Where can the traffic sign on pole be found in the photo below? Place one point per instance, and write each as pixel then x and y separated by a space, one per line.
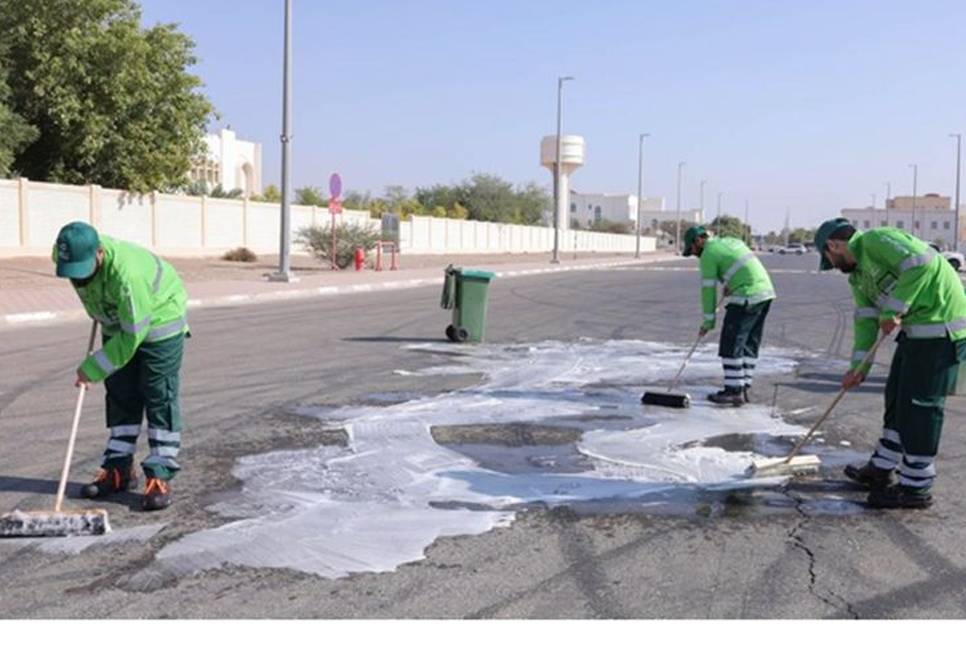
pixel 335 187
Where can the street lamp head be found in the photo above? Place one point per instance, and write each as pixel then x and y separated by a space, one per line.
pixel 565 78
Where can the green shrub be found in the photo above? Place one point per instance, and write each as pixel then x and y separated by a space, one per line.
pixel 240 254
pixel 318 241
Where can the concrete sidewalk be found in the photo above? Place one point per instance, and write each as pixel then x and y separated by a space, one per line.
pixel 31 295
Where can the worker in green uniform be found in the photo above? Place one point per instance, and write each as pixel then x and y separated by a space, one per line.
pixel 141 304
pixel 899 282
pixel 748 287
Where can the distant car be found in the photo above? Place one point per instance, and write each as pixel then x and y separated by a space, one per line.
pixel 955 259
pixel 793 248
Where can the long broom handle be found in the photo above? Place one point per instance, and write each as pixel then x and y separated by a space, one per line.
pixel 684 364
pixel 62 486
pixel 841 394
pixel 687 358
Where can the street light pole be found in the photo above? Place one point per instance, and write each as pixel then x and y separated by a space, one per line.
pixel 556 174
pixel 915 193
pixel 747 224
pixel 640 182
pixel 284 268
pixel 959 141
pixel 888 200
pixel 703 182
pixel 720 193
pixel 677 238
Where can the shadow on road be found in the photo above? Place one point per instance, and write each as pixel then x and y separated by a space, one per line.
pixel 396 340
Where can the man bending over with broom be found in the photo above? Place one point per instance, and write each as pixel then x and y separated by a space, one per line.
pixel 140 303
pixel 748 287
pixel 899 281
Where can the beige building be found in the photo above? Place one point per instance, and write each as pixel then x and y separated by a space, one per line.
pixel 934 220
pixel 231 163
pixel 928 202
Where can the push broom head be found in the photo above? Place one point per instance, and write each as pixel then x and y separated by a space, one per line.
pixel 54 523
pixel 800 465
pixel 666 399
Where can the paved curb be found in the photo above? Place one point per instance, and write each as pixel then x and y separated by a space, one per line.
pixel 56 317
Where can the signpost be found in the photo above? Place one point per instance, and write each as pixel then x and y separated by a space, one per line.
pixel 335 207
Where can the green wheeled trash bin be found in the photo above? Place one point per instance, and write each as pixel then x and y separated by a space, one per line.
pixel 466 293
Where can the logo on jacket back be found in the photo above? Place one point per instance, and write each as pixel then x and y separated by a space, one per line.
pixel 62 252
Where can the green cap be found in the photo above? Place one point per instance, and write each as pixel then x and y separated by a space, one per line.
pixel 76 250
pixel 821 236
pixel 690 236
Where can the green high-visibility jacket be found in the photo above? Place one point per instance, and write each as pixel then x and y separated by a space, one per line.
pixel 896 274
pixel 729 261
pixel 137 297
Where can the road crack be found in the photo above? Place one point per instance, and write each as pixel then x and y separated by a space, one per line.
pixel 831 599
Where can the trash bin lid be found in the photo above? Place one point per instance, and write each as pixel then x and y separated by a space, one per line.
pixel 477 274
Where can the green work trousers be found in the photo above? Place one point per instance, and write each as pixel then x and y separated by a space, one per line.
pixel 741 335
pixel 146 387
pixel 922 374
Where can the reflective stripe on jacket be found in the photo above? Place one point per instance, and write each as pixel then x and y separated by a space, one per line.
pixel 729 261
pixel 897 274
pixel 137 297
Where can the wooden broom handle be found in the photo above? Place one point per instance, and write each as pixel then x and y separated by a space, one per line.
pixel 62 486
pixel 674 383
pixel 838 397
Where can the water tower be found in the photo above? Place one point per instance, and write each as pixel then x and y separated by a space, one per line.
pixel 572 154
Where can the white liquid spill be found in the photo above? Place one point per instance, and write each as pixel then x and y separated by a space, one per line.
pixel 382 500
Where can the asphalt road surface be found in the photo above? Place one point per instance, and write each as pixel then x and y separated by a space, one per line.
pixel 744 555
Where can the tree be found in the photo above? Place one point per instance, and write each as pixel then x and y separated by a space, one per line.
pixel 459 212
pixel 356 200
pixel 801 235
pixel 532 203
pixel 15 133
pixel 725 225
pixel 112 103
pixel 271 194
pixel 201 188
pixel 310 196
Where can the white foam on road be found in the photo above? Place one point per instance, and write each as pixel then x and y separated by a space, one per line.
pixel 382 500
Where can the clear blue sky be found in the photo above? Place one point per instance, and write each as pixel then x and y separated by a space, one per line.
pixel 807 104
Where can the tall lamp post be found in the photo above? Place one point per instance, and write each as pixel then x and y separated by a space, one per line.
pixel 959 141
pixel 915 193
pixel 747 223
pixel 703 182
pixel 285 243
pixel 640 197
pixel 888 199
pixel 677 238
pixel 556 174
pixel 720 193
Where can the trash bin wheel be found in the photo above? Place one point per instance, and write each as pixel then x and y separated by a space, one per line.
pixel 461 335
pixel 451 333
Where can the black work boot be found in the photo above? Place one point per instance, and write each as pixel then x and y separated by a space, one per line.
pixel 728 396
pixel 870 476
pixel 110 481
pixel 899 497
pixel 746 393
pixel 157 494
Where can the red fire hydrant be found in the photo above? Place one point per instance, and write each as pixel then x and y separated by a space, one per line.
pixel 360 258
